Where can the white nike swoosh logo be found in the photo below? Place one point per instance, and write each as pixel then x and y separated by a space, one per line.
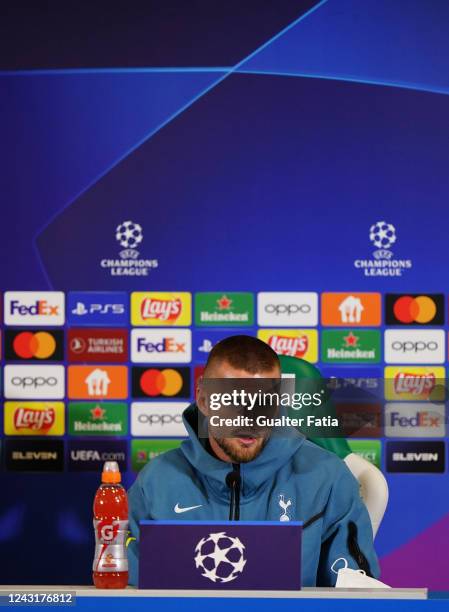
pixel 178 510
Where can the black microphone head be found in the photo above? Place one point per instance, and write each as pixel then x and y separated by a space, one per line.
pixel 233 479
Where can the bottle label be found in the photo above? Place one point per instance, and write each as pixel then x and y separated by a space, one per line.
pixel 110 546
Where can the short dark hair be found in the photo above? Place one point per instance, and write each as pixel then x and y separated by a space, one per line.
pixel 245 353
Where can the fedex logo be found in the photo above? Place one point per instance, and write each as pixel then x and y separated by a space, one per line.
pixel 98 308
pixel 421 419
pixel 411 420
pixel 34 308
pixel 41 307
pixel 161 345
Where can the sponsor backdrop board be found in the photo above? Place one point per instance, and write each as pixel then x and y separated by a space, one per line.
pixel 139 237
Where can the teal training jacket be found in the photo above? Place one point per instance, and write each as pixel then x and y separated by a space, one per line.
pixel 291 477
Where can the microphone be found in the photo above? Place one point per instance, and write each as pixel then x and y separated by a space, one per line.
pixel 233 481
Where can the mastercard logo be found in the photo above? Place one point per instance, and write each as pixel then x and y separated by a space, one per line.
pixel 161 382
pixel 39 345
pixel 415 309
pixel 166 382
pixel 421 309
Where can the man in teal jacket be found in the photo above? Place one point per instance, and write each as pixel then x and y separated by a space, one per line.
pixel 282 478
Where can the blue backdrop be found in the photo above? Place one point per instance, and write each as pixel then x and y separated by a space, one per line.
pixel 255 147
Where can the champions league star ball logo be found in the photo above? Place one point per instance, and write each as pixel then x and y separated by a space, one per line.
pixel 220 557
pixel 129 235
pixel 383 236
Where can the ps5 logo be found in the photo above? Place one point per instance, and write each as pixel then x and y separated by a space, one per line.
pixel 81 309
pixel 98 308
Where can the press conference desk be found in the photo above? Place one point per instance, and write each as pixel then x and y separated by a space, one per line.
pixel 316 599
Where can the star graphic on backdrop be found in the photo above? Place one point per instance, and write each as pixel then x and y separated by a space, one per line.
pixel 351 340
pixel 224 303
pixel 98 412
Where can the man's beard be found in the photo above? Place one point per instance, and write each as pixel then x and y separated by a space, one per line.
pixel 239 453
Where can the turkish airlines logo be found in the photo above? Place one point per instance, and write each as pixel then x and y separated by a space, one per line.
pixel 108 345
pixel 414 346
pixel 414 309
pixel 34 308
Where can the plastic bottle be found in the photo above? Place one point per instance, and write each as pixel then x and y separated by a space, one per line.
pixel 110 566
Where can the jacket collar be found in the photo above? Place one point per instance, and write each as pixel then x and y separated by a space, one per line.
pixel 255 474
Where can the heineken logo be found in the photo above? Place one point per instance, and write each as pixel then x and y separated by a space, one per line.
pixel 224 309
pixel 350 346
pixel 98 419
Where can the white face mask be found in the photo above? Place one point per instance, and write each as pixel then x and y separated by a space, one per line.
pixel 348 578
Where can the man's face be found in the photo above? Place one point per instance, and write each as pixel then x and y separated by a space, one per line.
pixel 248 445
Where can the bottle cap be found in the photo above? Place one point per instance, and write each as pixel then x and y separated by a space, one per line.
pixel 111 472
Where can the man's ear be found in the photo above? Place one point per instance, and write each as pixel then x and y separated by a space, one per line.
pixel 201 397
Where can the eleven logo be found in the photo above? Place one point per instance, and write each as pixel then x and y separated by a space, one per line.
pixel 359 309
pixel 415 383
pixel 300 343
pixel 161 345
pixel 34 308
pixel 34 418
pixel 105 382
pixel 161 309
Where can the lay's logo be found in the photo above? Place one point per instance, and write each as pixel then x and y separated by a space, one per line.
pixel 415 383
pixel 301 343
pixel 405 382
pixel 161 309
pixel 294 347
pixel 37 420
pixel 34 418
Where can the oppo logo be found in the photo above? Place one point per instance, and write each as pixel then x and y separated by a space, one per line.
pixel 34 381
pixel 159 419
pixel 288 309
pixel 414 347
